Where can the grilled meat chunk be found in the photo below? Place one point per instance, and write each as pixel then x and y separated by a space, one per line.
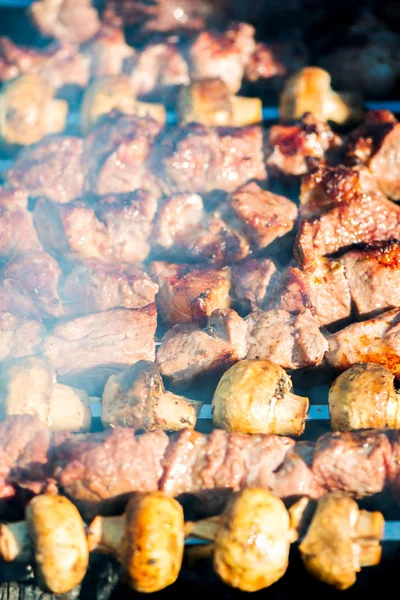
pixel 376 340
pixel 18 234
pixel 19 336
pixel 117 230
pixel 187 351
pixel 94 286
pixel 197 158
pixel 265 216
pixel 376 144
pixel 108 53
pixel 189 295
pixel 373 275
pixel 290 341
pixel 177 217
pixel 253 283
pixel 53 168
pixel 69 20
pixel 116 155
pixel 86 351
pixel 60 64
pixel 290 146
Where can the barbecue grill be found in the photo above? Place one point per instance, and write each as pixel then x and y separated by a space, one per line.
pixel 102 579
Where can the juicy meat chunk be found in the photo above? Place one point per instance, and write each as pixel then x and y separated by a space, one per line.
pixel 253 282
pixel 177 217
pixel 373 275
pixel 290 146
pixel 107 52
pixel 60 64
pixel 18 235
pixel 376 340
pixel 108 465
pixel 265 216
pixel 53 168
pixel 19 336
pixel 376 144
pixel 222 55
pixel 94 286
pixel 69 20
pixel 322 287
pixel 290 341
pixel 86 351
pixel 187 351
pixel 36 276
pixel 294 476
pixel 196 158
pixel 353 462
pixel 189 295
pixel 116 230
pixel 116 154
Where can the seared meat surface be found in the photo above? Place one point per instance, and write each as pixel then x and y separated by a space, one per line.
pixel 95 286
pixel 19 336
pixel 69 20
pixel 86 351
pixel 187 294
pixel 253 282
pixel 18 235
pixel 108 53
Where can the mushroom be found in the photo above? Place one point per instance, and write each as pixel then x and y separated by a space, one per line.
pixel 209 101
pixel 53 538
pixel 364 397
pixel 29 112
pixel 310 90
pixel 136 398
pixel 341 540
pixel 255 396
pixel 114 92
pixel 148 540
pixel 28 386
pixel 251 539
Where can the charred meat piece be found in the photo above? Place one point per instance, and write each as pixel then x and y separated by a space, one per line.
pixel 116 231
pixel 53 168
pixel 352 462
pixel 253 282
pixel 290 341
pixel 189 295
pixel 86 351
pixel 19 336
pixel 116 155
pixel 18 234
pixel 290 146
pixel 177 217
pixel 223 55
pixel 376 340
pixel 373 275
pixel 265 216
pixel 376 144
pixel 35 275
pixel 197 158
pixel 321 286
pixel 107 52
pixel 68 20
pixel 94 286
pixel 60 64
pixel 187 351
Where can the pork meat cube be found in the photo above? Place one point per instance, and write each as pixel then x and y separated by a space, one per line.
pixel 108 53
pixel 253 282
pixel 94 286
pixel 19 336
pixel 290 341
pixel 18 234
pixel 71 20
pixel 53 168
pixel 187 294
pixel 187 351
pixel 86 351
pixel 177 217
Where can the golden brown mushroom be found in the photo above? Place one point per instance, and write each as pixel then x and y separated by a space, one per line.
pixel 115 92
pixel 341 540
pixel 136 398
pixel 53 538
pixel 255 396
pixel 29 112
pixel 148 540
pixel 363 397
pixel 209 101
pixel 310 90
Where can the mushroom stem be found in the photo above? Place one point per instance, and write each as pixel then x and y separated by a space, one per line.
pixel 369 552
pixel 70 409
pixel 15 543
pixel 206 529
pixel 173 412
pixel 245 111
pixel 105 534
pixel 370 525
pixel 290 414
